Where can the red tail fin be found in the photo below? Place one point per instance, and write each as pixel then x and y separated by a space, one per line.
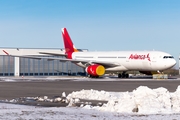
pixel 68 44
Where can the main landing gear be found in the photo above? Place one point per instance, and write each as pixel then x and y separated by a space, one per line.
pixel 123 75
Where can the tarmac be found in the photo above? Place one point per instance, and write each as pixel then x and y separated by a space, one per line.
pixel 42 87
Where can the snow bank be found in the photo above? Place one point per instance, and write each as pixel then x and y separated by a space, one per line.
pixel 141 103
pixel 93 95
pixel 142 100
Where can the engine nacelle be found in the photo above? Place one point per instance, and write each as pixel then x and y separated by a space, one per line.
pixel 95 70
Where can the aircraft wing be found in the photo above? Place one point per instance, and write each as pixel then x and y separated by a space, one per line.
pixel 104 63
pixel 54 54
pixel 57 54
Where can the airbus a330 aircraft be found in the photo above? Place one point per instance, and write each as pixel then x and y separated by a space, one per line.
pixel 97 63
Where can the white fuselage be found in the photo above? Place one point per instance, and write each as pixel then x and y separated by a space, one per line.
pixel 129 60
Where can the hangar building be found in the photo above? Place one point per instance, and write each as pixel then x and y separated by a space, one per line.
pixel 15 66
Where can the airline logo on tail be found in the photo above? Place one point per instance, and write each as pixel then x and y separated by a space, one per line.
pixel 68 44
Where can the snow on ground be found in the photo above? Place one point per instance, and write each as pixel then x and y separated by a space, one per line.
pixel 141 103
pixel 14 112
pixel 143 100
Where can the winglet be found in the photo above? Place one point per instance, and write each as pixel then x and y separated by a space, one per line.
pixel 5 52
pixel 68 44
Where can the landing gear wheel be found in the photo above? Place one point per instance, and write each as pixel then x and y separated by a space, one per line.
pixel 127 75
pixel 119 75
pixel 123 75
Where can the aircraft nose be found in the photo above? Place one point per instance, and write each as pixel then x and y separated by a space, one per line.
pixel 173 63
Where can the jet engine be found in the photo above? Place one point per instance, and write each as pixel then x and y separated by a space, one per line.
pixel 95 70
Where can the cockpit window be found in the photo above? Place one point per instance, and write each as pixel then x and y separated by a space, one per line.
pixel 165 57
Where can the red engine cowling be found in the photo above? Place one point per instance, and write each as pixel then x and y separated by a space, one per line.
pixel 95 70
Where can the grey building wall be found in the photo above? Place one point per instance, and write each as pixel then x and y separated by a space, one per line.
pixel 6 66
pixel 15 66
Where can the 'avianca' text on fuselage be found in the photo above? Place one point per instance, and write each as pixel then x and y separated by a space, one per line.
pixel 140 57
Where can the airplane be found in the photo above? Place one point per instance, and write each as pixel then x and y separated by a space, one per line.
pixel 96 64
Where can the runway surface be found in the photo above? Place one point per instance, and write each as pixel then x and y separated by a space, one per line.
pixel 19 88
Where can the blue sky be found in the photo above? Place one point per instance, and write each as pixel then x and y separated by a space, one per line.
pixel 92 24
